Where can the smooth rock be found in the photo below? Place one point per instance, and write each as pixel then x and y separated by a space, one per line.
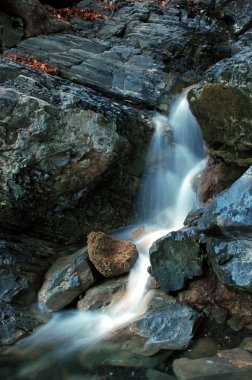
pixel 102 295
pixel 67 278
pixel 232 364
pixel 110 256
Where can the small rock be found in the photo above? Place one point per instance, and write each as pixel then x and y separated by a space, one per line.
pixel 102 295
pixel 110 256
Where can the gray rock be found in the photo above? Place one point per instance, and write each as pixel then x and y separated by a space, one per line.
pixel 12 30
pixel 15 322
pixel 23 263
pixel 231 210
pixel 175 259
pixel 232 364
pixel 231 260
pixel 102 295
pixel 170 327
pixel 66 279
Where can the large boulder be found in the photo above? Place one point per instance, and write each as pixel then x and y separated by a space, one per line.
pixel 57 141
pixel 226 223
pixel 176 258
pixel 110 256
pixel 222 104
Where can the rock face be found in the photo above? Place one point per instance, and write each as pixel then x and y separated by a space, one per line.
pixel 110 256
pixel 175 259
pixel 143 53
pixel 16 321
pixel 23 262
pixel 66 279
pixel 57 140
pixel 227 129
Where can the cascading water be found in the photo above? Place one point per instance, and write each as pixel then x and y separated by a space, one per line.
pixel 176 155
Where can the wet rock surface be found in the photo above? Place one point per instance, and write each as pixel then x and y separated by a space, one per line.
pixel 209 292
pixel 71 161
pixel 139 54
pixel 102 295
pixel 226 129
pixel 66 279
pixel 169 327
pixel 175 259
pixel 231 364
pixel 16 321
pixel 110 256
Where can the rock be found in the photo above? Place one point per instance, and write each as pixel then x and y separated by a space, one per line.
pixel 233 364
pixel 170 327
pixel 67 278
pixel 231 260
pixel 153 374
pixel 57 141
pixel 230 210
pixel 209 292
pixel 227 129
pixel 175 259
pixel 102 295
pixel 240 13
pixel 110 256
pixel 11 30
pixel 141 54
pixel 23 263
pixel 201 348
pixel 227 223
pixel 246 344
pixel 16 322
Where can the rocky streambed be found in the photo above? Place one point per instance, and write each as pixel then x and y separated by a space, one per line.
pixel 72 152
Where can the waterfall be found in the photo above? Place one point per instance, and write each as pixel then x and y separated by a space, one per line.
pixel 176 156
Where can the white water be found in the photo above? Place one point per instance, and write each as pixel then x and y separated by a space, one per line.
pixel 175 157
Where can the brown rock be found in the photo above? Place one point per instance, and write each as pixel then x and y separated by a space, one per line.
pixel 110 256
pixel 226 365
pixel 209 291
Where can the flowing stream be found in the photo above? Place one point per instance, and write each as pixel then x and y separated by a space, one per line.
pixel 176 156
